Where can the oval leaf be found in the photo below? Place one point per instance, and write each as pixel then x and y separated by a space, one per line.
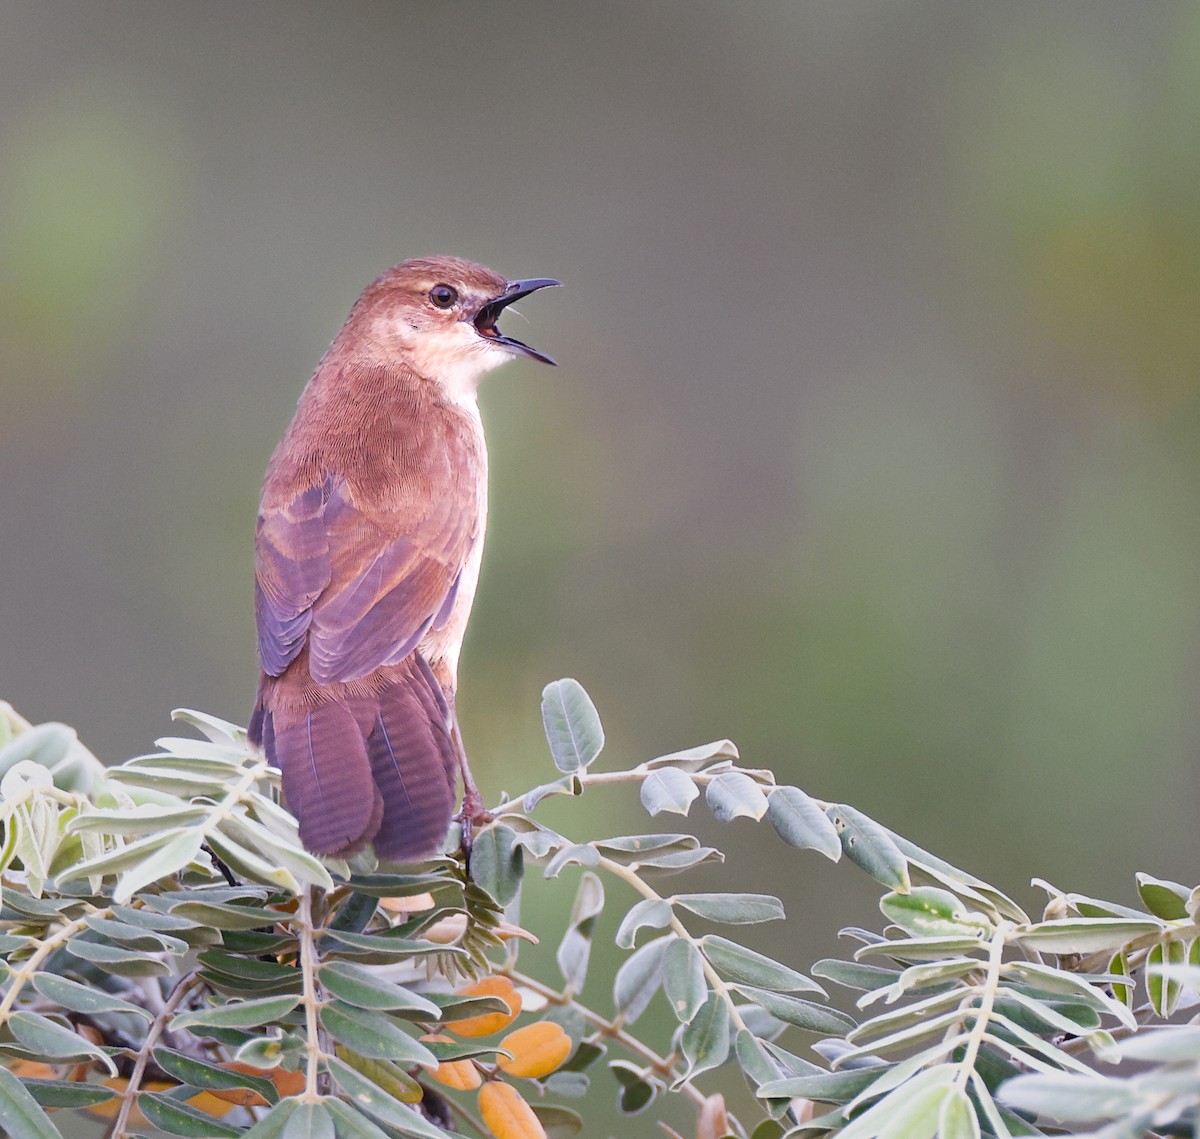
pixel 801 822
pixel 731 909
pixel 572 725
pixel 668 789
pixel 870 847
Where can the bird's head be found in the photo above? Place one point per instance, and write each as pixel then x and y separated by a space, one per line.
pixel 439 315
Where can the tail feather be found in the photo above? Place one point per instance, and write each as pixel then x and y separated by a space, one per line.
pixel 371 761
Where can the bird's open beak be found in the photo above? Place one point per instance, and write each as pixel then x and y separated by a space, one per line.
pixel 485 319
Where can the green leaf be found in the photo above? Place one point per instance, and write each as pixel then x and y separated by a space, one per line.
pixel 854 974
pixel 274 1124
pixel 668 789
pixel 909 1112
pixel 51 1041
pixel 1162 990
pixel 374 1034
pixel 803 1014
pixel 22 1117
pixel 369 1096
pixel 237 1014
pixel 733 794
pixel 1166 900
pixel 227 916
pixel 249 865
pixel 211 1077
pixel 869 846
pixel 179 1119
pixel 312 1121
pixel 683 979
pixel 113 959
pixel 801 822
pixel 827 1087
pixel 367 989
pixel 637 1093
pixel 137 937
pixel 638 979
pixel 64 1093
pixel 556 1121
pixel 741 964
pixel 1072 1099
pixel 1168 1045
pixel 383 948
pixel 45 745
pixel 572 725
pixel 82 998
pixel 497 862
pixel 926 911
pixel 705 1040
pixel 144 818
pixel 755 1061
pixel 576 946
pixel 957 1119
pixel 696 758
pixel 652 912
pixel 1085 935
pixel 731 909
pixel 921 948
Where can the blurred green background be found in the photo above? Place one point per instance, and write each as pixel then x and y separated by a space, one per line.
pixel 875 443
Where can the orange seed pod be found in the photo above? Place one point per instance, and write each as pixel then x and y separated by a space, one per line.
pixel 489 1022
pixel 506 1114
pixel 461 1075
pixel 537 1049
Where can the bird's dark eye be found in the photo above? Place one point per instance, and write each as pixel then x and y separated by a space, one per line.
pixel 443 295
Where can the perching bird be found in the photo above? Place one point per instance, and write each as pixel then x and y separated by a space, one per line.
pixel 370 534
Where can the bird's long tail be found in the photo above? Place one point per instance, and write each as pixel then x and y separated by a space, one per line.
pixel 370 761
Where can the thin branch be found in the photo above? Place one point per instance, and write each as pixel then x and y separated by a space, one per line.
pixel 647 891
pixel 183 986
pixel 311 999
pixel 20 976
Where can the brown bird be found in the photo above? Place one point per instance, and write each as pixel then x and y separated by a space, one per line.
pixel 370 534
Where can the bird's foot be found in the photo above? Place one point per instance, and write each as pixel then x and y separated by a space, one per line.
pixel 473 814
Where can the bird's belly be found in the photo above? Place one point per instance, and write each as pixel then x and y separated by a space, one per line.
pixel 442 646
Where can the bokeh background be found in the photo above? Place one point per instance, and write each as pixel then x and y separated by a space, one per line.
pixel 875 443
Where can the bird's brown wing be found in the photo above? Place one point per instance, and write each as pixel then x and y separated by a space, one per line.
pixel 361 586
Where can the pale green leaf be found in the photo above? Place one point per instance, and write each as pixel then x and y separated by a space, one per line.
pixel 870 847
pixel 19 1111
pixel 1085 935
pixel 237 1014
pixel 957 1119
pixel 1164 899
pixel 668 789
pixel 801 822
pixel 706 1039
pixel 926 911
pixel 731 909
pixel 369 1096
pixel 51 1041
pixel 497 862
pixel 652 912
pixel 732 794
pixel 683 979
pixel 696 758
pixel 638 979
pixel 741 964
pixel 572 725
pixel 575 948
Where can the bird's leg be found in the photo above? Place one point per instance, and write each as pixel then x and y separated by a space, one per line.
pixel 474 813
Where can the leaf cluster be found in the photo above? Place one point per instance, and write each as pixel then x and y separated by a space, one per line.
pixel 171 957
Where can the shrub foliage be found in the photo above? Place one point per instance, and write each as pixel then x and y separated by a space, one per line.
pixel 174 961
